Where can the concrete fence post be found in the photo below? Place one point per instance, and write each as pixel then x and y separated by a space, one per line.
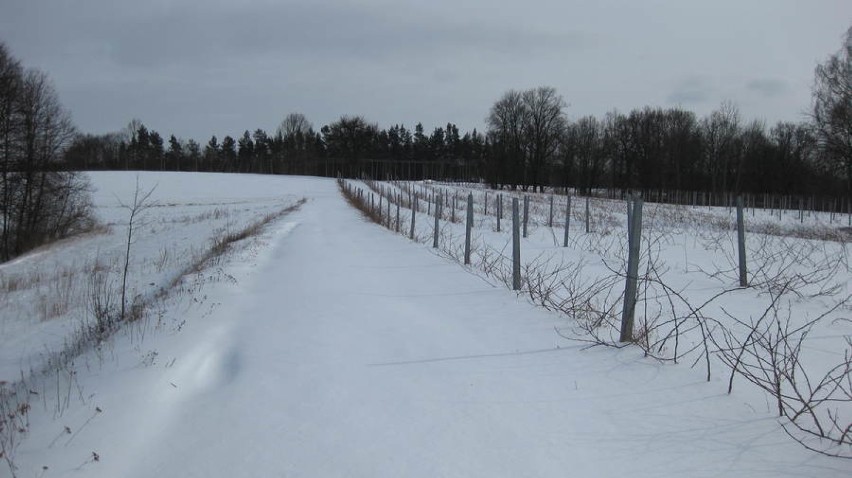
pixel 437 223
pixel 634 249
pixel 468 228
pixel 567 221
pixel 629 219
pixel 516 246
pixel 398 201
pixel 550 217
pixel 413 216
pixel 499 210
pixel 741 242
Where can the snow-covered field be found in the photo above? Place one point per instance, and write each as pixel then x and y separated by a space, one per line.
pixel 327 346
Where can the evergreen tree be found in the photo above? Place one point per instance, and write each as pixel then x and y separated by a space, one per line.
pixel 193 154
pixel 246 153
pixel 175 154
pixel 420 143
pixel 211 155
pixel 261 152
pixel 139 147
pixel 228 155
pixel 156 155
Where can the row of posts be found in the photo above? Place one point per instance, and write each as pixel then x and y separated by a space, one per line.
pixel 440 199
pixel 519 228
pixel 806 206
pixel 634 227
pixel 515 223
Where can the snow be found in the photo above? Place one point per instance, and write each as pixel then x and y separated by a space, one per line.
pixel 328 346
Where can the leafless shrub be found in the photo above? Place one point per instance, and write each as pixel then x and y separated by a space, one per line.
pixel 493 263
pixel 592 306
pixel 807 269
pixel 804 268
pixel 818 408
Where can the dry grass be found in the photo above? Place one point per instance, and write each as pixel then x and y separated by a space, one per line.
pixel 210 215
pixel 221 243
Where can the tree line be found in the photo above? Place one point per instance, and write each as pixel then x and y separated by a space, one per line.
pixel 350 146
pixel 651 148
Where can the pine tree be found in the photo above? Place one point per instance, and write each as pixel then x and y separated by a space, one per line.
pixel 175 153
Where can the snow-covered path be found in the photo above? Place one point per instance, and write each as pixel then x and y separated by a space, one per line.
pixel 353 352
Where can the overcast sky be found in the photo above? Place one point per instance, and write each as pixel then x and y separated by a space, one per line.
pixel 195 68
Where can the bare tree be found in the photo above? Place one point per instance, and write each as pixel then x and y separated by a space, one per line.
pixel 832 109
pixel 720 131
pixel 141 202
pixel 130 136
pixel 506 122
pixel 525 130
pixel 586 138
pixel 46 131
pixel 294 123
pixel 544 125
pixel 683 147
pixel 10 84
pixel 38 201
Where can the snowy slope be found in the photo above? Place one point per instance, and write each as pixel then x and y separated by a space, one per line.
pixel 44 293
pixel 338 349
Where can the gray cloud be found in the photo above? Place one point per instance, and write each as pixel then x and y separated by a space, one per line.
pixel 202 67
pixel 768 87
pixel 310 30
pixel 691 91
